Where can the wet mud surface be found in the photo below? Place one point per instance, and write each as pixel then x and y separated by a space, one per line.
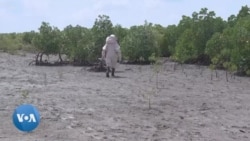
pixel 78 105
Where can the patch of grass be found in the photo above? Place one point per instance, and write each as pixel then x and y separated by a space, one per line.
pixel 24 96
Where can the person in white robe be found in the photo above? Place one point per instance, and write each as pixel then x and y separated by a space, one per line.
pixel 111 53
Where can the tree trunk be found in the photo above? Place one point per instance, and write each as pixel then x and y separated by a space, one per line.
pixel 60 57
pixel 37 56
pixel 41 57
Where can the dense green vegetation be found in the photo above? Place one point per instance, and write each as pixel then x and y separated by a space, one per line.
pixel 202 38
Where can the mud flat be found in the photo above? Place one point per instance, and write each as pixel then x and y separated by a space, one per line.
pixel 78 105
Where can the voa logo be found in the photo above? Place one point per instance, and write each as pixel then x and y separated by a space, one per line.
pixel 26 118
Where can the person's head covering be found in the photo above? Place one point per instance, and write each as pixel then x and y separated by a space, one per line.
pixel 113 36
pixel 111 39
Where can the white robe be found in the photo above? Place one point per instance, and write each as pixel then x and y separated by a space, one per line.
pixel 111 52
